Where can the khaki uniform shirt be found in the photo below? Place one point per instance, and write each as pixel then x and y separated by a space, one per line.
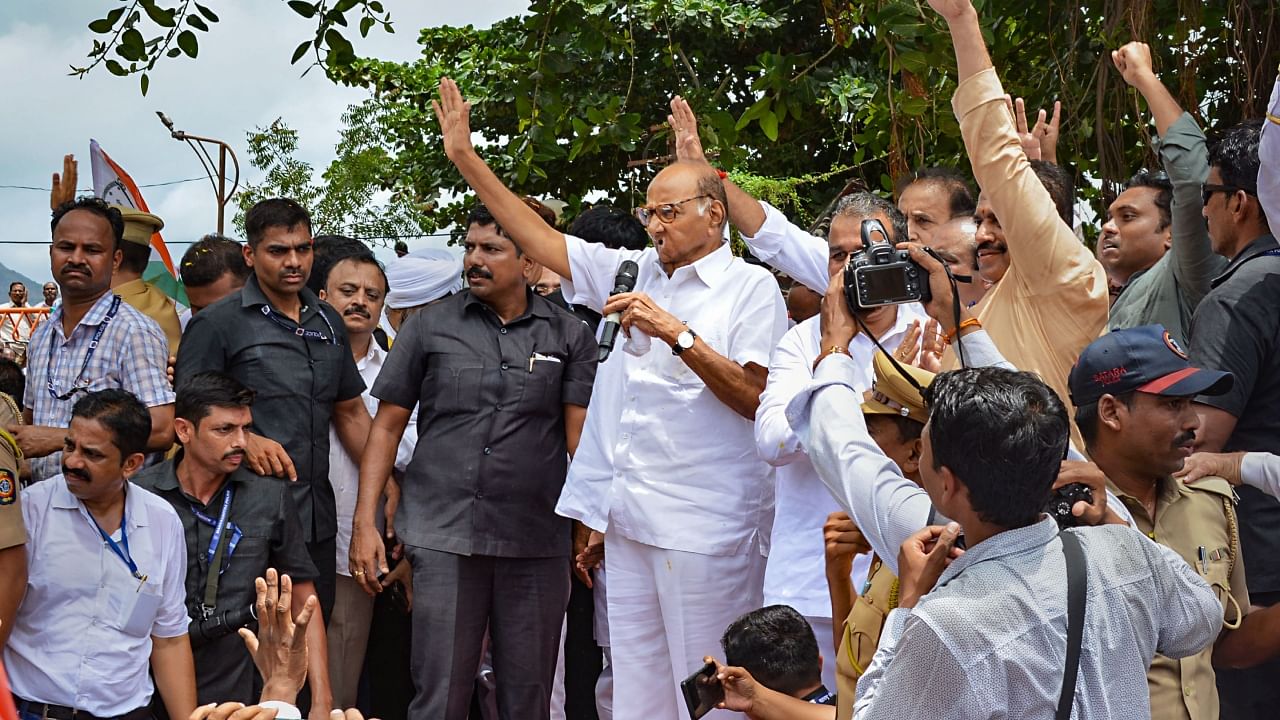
pixel 152 302
pixel 1187 519
pixel 12 531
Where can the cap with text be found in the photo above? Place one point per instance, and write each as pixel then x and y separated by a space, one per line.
pixel 1142 359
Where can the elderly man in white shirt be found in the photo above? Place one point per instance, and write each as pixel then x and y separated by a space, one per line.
pixel 667 462
pixel 105 592
pixel 795 573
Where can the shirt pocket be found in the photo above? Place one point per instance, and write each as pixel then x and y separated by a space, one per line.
pixel 257 363
pixel 452 385
pixel 673 369
pixel 541 393
pixel 326 369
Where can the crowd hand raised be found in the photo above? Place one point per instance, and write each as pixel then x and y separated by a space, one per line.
pixel 942 305
pixel 279 649
pixel 1030 143
pixel 639 311
pixel 842 540
pixel 684 124
pixel 1203 465
pixel 268 457
pixel 168 368
pixel 921 347
pixel 1047 130
pixel 64 185
pixel 1092 477
pixel 1133 60
pixel 367 557
pixel 951 9
pixel 454 115
pixel 922 559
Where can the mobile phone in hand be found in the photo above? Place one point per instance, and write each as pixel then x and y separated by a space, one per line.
pixel 702 691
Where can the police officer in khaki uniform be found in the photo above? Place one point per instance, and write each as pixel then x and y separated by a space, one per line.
pixel 1134 391
pixel 13 534
pixel 127 280
pixel 896 415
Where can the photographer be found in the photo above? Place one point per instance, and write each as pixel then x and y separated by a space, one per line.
pixel 236 524
pixel 982 642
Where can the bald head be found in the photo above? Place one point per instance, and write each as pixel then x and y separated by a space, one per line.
pixel 696 180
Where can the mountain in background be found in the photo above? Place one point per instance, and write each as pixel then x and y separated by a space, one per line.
pixel 8 276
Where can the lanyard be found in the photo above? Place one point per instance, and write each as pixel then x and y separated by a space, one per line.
pixel 122 553
pixel 216 566
pixel 300 331
pixel 218 526
pixel 93 346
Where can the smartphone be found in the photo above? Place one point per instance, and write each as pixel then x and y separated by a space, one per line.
pixel 702 691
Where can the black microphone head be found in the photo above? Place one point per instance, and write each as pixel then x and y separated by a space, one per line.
pixel 625 280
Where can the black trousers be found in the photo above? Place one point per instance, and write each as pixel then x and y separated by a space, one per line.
pixel 521 601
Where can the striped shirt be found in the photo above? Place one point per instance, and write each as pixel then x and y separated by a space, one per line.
pixel 131 355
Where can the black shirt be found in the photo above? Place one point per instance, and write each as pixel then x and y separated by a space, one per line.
pixel 297 381
pixel 491 455
pixel 1237 328
pixel 263 510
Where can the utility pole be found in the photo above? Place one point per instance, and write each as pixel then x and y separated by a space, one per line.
pixel 200 146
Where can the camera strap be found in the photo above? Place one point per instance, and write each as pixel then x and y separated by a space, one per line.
pixel 1077 592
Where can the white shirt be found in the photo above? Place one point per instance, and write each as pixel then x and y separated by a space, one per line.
pixel 796 572
pixel 344 473
pixel 69 644
pixel 17 326
pixel 662 460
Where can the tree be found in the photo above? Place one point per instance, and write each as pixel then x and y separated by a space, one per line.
pixel 350 200
pixel 143 32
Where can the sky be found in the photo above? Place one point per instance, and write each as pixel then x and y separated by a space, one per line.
pixel 241 80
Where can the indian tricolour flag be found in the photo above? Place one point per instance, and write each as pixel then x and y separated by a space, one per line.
pixel 113 184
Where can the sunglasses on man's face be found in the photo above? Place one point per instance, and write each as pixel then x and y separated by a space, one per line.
pixel 666 212
pixel 1211 189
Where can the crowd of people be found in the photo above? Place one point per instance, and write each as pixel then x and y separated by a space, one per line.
pixel 609 469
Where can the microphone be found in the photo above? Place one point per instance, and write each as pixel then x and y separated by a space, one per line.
pixel 625 281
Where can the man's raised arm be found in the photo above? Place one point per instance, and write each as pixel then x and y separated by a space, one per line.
pixel 542 242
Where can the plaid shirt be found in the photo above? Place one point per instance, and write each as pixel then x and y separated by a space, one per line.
pixel 131 355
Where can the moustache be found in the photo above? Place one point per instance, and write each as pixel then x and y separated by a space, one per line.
pixel 70 267
pixel 78 474
pixel 235 454
pixel 479 273
pixel 1185 438
pixel 356 310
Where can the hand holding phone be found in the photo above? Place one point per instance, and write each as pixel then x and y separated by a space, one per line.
pixel 702 691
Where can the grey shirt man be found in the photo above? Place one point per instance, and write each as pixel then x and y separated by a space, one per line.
pixel 1168 292
pixel 270 535
pixel 491 455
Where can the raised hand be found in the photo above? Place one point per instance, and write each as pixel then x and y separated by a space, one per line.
pixel 454 115
pixel 685 126
pixel 64 185
pixel 1030 143
pixel 279 649
pixel 1047 132
pixel 1134 63
pixel 951 9
pixel 842 540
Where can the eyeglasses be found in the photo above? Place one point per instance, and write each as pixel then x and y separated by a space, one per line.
pixel 1210 189
pixel 666 212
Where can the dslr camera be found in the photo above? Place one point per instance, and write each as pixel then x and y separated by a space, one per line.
pixel 1065 498
pixel 880 274
pixel 219 625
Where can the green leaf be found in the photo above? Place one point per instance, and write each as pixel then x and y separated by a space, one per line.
pixel 366 24
pixel 187 41
pixel 173 53
pixel 132 39
pixel 769 125
pixel 195 22
pixel 116 68
pixel 300 51
pixel 305 9
pixel 206 12
pixel 104 25
pixel 146 82
pixel 160 16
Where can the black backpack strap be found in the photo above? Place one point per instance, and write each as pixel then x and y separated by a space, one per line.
pixel 1077 592
pixel 933 515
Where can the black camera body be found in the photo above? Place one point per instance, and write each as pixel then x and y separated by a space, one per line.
pixel 218 625
pixel 879 274
pixel 1063 499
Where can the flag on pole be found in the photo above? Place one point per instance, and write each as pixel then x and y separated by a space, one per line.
pixel 113 184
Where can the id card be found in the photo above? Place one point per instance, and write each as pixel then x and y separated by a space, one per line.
pixel 138 608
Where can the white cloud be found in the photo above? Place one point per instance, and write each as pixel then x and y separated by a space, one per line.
pixel 241 80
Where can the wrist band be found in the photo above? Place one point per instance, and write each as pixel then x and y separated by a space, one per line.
pixel 724 174
pixel 951 334
pixel 833 350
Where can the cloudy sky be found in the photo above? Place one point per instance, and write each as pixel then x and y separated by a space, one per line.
pixel 242 79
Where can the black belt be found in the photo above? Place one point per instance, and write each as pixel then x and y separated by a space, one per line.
pixel 62 712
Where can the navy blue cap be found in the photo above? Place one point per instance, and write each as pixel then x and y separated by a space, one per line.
pixel 1143 359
